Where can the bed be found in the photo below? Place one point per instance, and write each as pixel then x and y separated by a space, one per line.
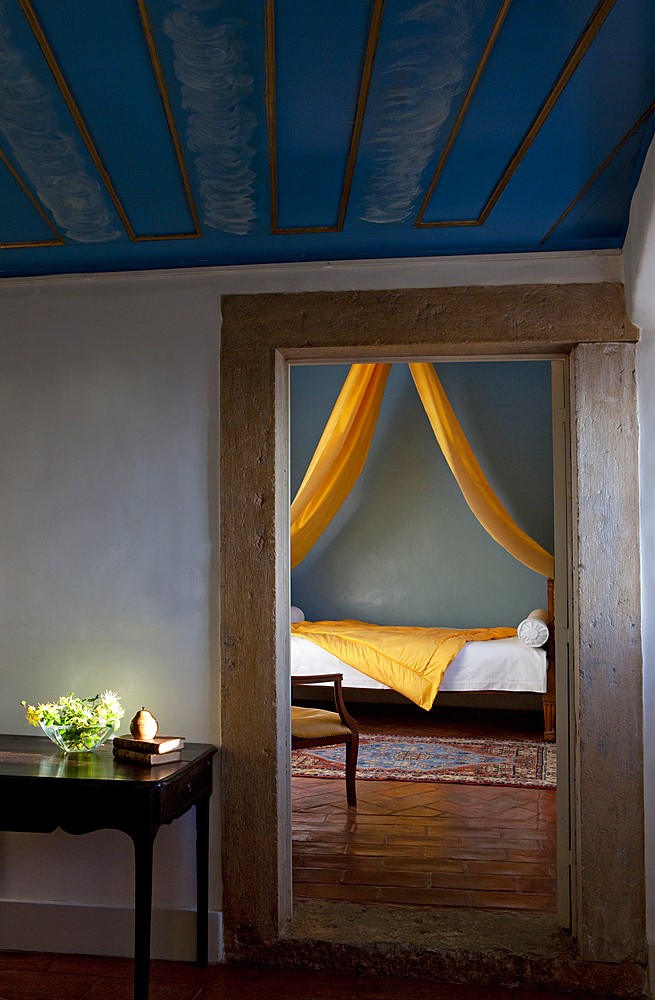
pixel 417 666
pixel 497 665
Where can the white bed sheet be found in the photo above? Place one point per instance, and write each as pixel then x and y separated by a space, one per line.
pixel 492 665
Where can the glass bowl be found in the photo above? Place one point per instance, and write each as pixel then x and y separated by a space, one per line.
pixel 72 739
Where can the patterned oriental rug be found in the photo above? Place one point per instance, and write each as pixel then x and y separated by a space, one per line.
pixel 435 758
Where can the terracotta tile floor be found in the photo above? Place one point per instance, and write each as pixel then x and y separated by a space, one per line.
pixel 30 976
pixel 428 843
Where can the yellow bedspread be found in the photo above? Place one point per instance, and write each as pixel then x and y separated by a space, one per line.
pixel 410 660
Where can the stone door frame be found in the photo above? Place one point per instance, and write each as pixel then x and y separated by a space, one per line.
pixel 260 335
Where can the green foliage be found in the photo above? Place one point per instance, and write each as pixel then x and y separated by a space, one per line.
pixel 82 718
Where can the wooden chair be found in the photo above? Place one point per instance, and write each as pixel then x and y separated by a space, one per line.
pixel 316 727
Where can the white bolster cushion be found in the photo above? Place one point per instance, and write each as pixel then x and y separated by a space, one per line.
pixel 533 630
pixel 297 615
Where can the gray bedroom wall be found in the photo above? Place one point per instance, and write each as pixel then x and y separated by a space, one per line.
pixel 405 549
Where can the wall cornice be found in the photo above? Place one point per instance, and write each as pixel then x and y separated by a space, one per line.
pixel 575 266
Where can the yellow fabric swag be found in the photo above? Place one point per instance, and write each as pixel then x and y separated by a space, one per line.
pixel 344 446
pixel 471 480
pixel 412 661
pixel 339 457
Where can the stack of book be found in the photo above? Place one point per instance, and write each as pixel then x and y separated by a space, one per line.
pixel 158 750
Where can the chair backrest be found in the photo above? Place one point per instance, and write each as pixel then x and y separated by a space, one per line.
pixel 304 680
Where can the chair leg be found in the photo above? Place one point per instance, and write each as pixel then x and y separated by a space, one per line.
pixel 352 748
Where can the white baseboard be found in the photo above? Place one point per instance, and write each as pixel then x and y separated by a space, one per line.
pixel 66 928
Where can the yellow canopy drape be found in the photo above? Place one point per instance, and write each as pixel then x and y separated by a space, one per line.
pixel 471 480
pixel 339 457
pixel 344 445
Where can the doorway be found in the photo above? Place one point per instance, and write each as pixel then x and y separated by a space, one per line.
pixel 405 550
pixel 260 335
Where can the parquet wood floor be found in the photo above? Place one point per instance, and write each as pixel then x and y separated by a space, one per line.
pixel 428 843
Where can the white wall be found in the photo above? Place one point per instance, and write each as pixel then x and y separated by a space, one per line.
pixel 108 515
pixel 639 271
pixel 107 413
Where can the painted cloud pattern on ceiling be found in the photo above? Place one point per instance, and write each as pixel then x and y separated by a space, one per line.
pixel 236 131
pixel 48 153
pixel 428 71
pixel 209 64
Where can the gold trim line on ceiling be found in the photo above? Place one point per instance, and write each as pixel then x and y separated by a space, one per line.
pixel 35 243
pixel 642 118
pixel 58 241
pixel 574 59
pixel 362 98
pixel 66 93
pixel 168 111
pixel 491 41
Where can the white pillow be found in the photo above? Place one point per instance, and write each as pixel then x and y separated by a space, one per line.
pixel 533 630
pixel 297 616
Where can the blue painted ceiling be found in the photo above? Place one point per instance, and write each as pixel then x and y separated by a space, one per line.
pixel 166 133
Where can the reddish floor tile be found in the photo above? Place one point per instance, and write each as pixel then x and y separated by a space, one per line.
pixel 317 890
pixel 494 841
pixel 284 985
pixel 420 840
pixel 512 854
pixel 536 885
pixel 424 897
pixel 410 989
pixel 523 994
pixel 249 992
pixel 304 848
pixel 521 868
pixel 316 860
pixel 182 981
pixel 446 880
pixel 42 986
pixel 424 865
pixel 390 851
pixel 319 985
pixel 23 961
pixel 190 974
pixel 379 877
pixel 469 854
pixel 92 965
pixel 513 901
pixel 374 837
pixel 123 989
pixel 329 876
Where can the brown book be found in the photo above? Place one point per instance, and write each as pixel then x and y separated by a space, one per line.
pixel 148 758
pixel 158 744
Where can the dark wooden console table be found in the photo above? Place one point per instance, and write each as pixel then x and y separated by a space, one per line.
pixel 42 789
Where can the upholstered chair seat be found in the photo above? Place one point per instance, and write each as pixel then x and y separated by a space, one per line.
pixel 314 723
pixel 317 727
